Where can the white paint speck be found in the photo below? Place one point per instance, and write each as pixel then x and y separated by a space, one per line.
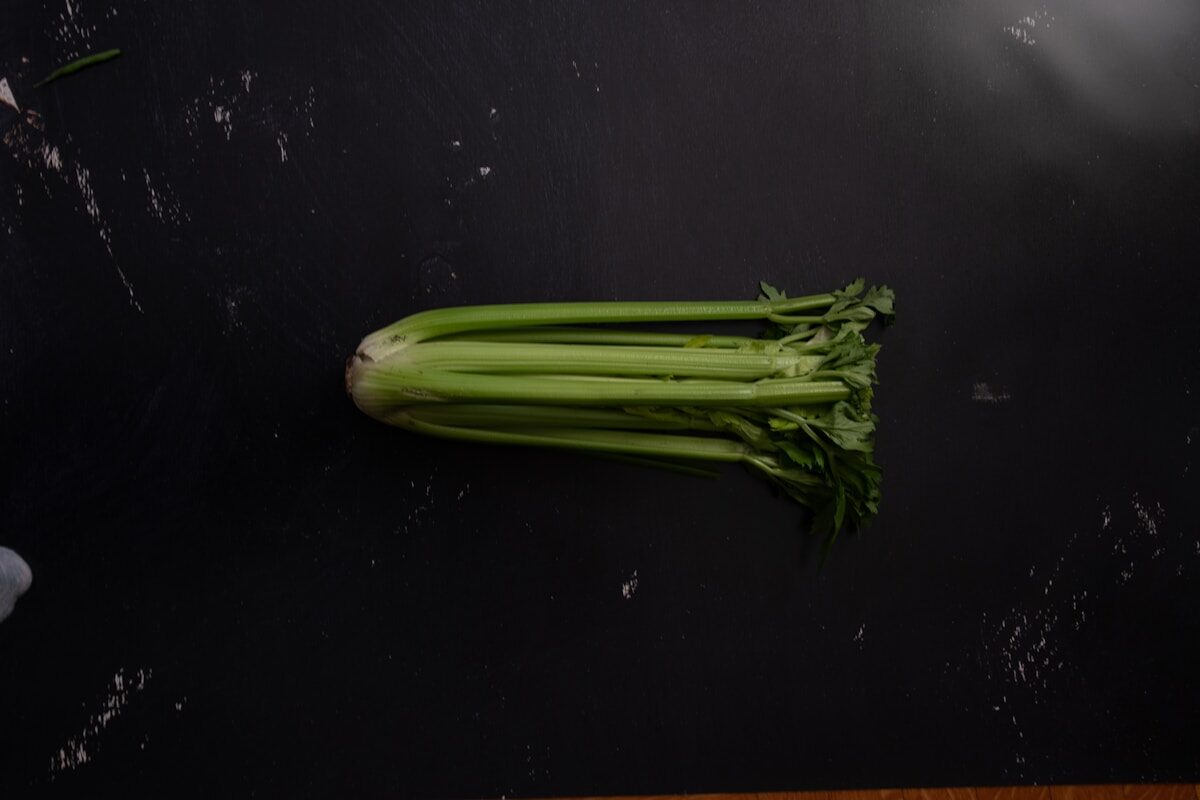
pixel 224 117
pixel 983 393
pixel 281 140
pixel 232 319
pixel 247 76
pixel 1106 518
pixel 858 637
pixel 485 171
pixel 309 102
pixel 51 157
pixel 6 95
pixel 629 587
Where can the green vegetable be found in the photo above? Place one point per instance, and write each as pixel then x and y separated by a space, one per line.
pixel 794 405
pixel 77 65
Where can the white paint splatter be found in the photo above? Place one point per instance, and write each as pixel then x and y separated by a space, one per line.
pixel 224 117
pixel 232 305
pixel 1147 522
pixel 162 203
pixel 485 171
pixel 309 102
pixel 156 205
pixel 1023 29
pixel 72 32
pixel 79 749
pixel 983 393
pixel 84 182
pixel 230 96
pixel 51 157
pixel 6 95
pixel 281 141
pixel 858 637
pixel 1032 643
pixel 217 101
pixel 91 207
pixel 629 587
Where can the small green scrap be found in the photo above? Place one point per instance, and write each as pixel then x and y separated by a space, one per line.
pixel 77 65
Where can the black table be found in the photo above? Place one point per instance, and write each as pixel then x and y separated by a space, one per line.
pixel 244 586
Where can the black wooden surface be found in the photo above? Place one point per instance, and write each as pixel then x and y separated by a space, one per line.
pixel 244 587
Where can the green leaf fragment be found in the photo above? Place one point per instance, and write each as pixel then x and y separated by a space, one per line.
pixel 770 293
pixel 883 300
pixel 77 65
pixel 846 428
pixel 799 455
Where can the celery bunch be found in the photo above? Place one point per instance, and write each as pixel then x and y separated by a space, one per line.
pixel 794 405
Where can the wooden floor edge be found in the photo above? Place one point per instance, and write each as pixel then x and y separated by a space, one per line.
pixel 1097 791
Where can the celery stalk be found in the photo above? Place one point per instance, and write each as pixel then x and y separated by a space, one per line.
pixel 794 406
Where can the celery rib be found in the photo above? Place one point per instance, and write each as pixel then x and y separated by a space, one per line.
pixel 552 334
pixel 505 358
pixel 632 443
pixel 516 416
pixel 403 385
pixel 445 321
